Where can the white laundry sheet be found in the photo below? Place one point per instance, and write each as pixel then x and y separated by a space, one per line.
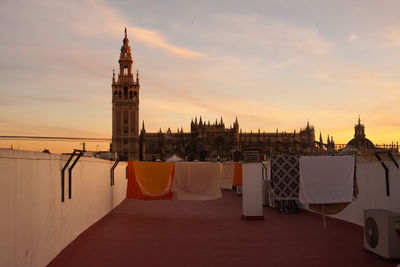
pixel 227 171
pixel 326 179
pixel 197 181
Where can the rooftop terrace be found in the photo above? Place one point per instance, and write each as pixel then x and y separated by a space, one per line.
pixel 96 225
pixel 211 233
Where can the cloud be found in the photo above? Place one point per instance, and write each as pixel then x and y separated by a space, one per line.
pixel 378 40
pixel 89 18
pixel 154 38
pixel 352 38
pixel 22 100
pixel 282 38
pixel 98 19
pixel 360 74
pixel 393 37
pixel 253 66
pixel 19 127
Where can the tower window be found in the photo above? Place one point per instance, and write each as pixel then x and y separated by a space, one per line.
pixel 134 95
pixel 125 117
pixel 115 94
pixel 125 92
pixel 120 94
pixel 125 70
pixel 130 94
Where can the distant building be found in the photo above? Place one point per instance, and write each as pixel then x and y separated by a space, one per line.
pixel 205 141
pixel 359 142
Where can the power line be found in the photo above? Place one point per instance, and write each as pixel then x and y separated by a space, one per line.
pixel 54 138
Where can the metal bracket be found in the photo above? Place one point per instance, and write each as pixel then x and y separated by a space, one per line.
pixel 70 173
pixel 63 175
pixel 386 168
pixel 392 158
pixel 112 171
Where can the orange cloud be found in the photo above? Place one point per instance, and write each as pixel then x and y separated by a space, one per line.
pixel 98 19
pixel 154 38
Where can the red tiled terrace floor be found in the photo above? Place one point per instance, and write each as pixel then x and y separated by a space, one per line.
pixel 211 233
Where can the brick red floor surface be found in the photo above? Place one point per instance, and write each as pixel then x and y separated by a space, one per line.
pixel 211 233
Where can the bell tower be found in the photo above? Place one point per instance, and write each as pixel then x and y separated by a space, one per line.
pixel 125 107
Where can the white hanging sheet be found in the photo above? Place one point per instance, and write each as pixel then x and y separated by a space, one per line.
pixel 197 181
pixel 227 171
pixel 326 179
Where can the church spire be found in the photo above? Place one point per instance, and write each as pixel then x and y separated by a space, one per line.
pixel 236 124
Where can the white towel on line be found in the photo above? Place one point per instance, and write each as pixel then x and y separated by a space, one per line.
pixel 227 171
pixel 197 181
pixel 326 179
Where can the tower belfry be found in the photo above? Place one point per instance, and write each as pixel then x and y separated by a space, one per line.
pixel 125 106
pixel 359 129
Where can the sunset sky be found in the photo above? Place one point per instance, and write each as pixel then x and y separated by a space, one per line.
pixel 273 64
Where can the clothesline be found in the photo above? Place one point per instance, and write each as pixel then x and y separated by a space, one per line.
pixel 181 180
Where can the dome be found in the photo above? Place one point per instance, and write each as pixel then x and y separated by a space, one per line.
pixel 360 143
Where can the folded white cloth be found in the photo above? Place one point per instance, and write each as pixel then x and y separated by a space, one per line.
pixel 326 179
pixel 197 181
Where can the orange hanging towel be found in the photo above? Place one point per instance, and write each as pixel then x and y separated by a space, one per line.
pixel 150 180
pixel 237 174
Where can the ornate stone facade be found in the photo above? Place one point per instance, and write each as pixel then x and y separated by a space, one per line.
pixel 207 141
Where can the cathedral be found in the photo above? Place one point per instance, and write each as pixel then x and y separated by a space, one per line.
pixel 205 142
